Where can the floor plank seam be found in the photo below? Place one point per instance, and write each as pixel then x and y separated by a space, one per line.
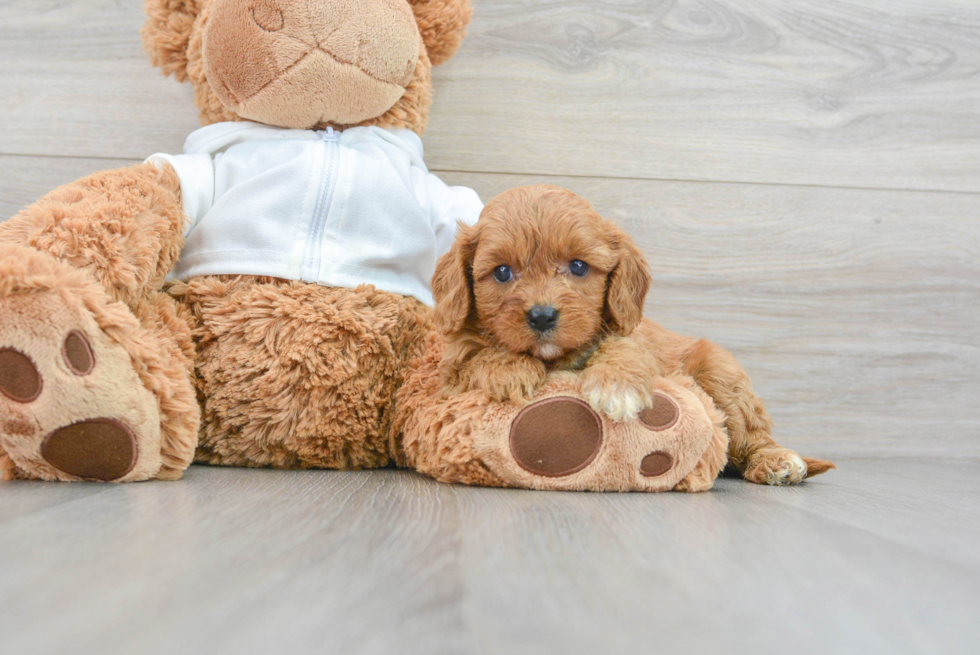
pixel 706 181
pixel 532 174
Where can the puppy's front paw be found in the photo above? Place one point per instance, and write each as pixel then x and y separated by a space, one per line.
pixel 509 381
pixel 776 467
pixel 618 399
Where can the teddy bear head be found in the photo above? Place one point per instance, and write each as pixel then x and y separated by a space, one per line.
pixel 307 64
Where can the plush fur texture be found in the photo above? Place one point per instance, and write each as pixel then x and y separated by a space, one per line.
pixel 125 227
pixel 442 24
pixel 537 233
pixel 104 244
pixel 293 375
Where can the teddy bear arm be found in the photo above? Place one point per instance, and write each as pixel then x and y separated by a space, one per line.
pixel 123 226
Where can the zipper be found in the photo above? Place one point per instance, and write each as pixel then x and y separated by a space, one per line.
pixel 314 246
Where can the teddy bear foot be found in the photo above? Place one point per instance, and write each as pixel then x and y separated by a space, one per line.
pixel 561 435
pixel 559 442
pixel 72 405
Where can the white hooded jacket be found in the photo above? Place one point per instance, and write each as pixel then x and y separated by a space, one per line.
pixel 334 208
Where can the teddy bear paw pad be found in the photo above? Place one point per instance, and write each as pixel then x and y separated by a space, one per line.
pixel 662 414
pixel 95 449
pixel 556 437
pixel 560 442
pixel 72 405
pixel 19 379
pixel 656 463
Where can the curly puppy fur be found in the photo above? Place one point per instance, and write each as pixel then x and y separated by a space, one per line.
pixel 537 233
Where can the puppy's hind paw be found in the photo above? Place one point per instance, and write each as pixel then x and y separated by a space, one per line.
pixel 777 468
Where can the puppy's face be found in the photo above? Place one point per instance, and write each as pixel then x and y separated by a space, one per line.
pixel 542 273
pixel 540 276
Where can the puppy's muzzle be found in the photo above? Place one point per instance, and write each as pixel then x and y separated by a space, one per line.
pixel 542 318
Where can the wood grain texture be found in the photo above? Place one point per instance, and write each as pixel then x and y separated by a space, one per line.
pixel 854 311
pixel 844 93
pixel 77 83
pixel 25 179
pixel 875 557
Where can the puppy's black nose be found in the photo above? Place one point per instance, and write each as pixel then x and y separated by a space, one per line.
pixel 542 318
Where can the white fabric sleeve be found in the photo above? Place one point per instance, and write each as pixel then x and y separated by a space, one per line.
pixel 449 205
pixel 196 173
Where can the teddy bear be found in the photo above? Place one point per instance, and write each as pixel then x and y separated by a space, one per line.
pixel 255 300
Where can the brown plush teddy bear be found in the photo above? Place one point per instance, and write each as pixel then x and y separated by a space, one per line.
pixel 259 297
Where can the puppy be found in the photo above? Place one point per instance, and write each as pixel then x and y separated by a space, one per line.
pixel 542 283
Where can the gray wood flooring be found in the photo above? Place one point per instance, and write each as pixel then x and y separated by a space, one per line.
pixel 804 177
pixel 879 557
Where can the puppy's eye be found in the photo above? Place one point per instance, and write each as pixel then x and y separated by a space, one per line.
pixel 502 274
pixel 578 268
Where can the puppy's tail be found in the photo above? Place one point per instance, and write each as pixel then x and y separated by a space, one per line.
pixel 817 466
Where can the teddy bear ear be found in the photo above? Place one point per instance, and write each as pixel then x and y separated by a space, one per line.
pixel 167 32
pixel 443 26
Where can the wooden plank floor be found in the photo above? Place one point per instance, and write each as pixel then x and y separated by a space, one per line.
pixel 805 179
pixel 880 557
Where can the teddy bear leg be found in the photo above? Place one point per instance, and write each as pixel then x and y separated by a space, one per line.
pixel 94 361
pixel 558 441
pixel 125 227
pixel 89 390
pixel 709 467
pixel 295 375
pixel 168 326
pixel 751 447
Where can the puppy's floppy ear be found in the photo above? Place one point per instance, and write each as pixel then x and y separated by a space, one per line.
pixel 452 284
pixel 628 284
